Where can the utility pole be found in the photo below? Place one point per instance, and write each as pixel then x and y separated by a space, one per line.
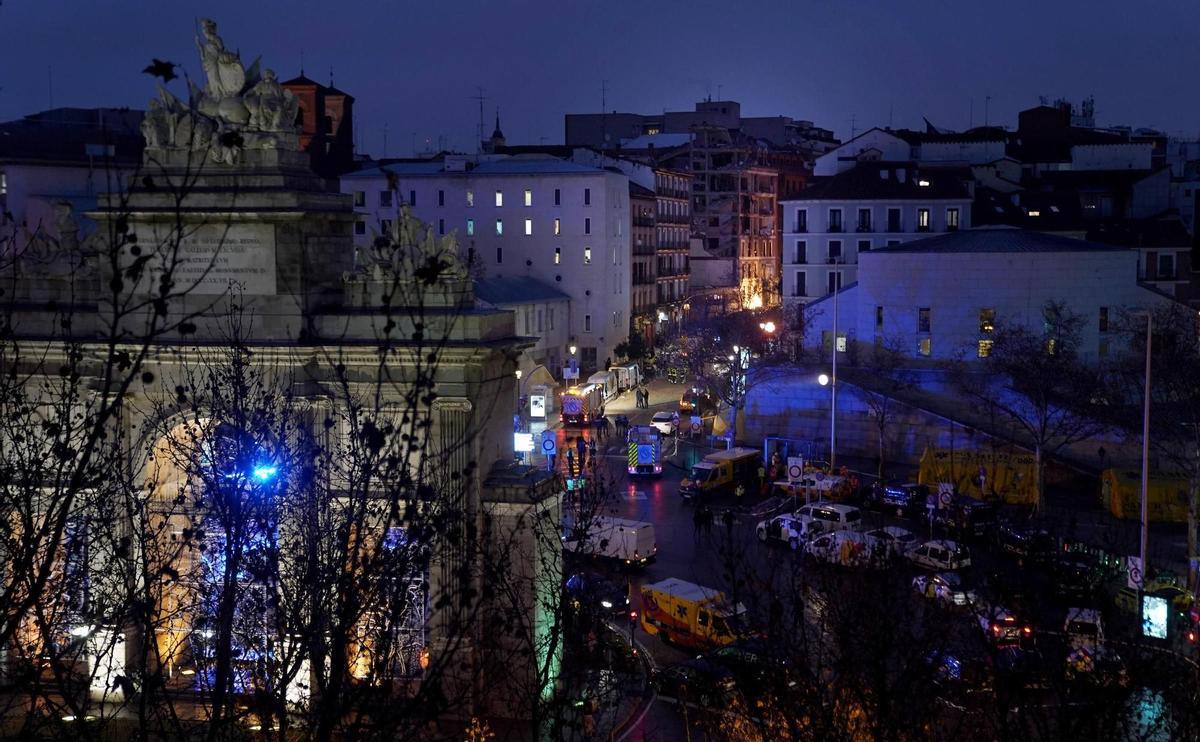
pixel 1146 453
pixel 987 100
pixel 833 385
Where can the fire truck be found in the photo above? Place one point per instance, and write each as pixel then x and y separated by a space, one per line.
pixel 645 450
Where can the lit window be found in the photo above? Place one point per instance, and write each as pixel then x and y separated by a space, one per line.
pixel 499 198
pixel 985 348
pixel 923 220
pixel 528 197
pixel 470 227
pixel 558 226
pixel 470 198
pixel 923 183
pixel 528 227
pixel 557 255
pixel 587 256
pixel 499 226
pixel 951 219
pixel 924 346
pixel 1034 212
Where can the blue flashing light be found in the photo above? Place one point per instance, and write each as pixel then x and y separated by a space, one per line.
pixel 264 473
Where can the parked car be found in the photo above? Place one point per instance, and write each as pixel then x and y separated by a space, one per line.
pixel 891 542
pixel 904 499
pixel 843 548
pixel 699 681
pixel 1089 657
pixel 1027 544
pixel 959 677
pixel 665 422
pixel 941 556
pixel 1002 626
pixel 758 670
pixel 835 516
pixel 1077 577
pixel 791 529
pixel 966 517
pixel 945 587
pixel 594 593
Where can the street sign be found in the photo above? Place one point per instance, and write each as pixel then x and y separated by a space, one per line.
pixel 795 469
pixel 1134 575
pixel 944 498
pixel 549 442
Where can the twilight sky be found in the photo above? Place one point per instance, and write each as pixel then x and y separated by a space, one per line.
pixel 414 66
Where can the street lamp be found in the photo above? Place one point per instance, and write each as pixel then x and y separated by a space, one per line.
pixel 1146 451
pixel 573 349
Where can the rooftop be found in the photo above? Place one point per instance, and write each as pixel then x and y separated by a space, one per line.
pixel 996 240
pixel 504 165
pixel 505 291
pixel 881 181
pixel 74 135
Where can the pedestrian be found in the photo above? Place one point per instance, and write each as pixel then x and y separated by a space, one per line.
pixel 605 430
pixel 592 451
pixel 708 520
pixel 697 523
pixel 581 448
pixel 570 460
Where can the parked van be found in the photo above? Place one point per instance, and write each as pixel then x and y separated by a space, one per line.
pixel 607 381
pixel 628 376
pixel 721 473
pixel 681 612
pixel 628 542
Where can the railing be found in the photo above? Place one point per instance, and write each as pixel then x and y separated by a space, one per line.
pixel 835 228
pixel 799 229
pixel 643 221
pixel 864 227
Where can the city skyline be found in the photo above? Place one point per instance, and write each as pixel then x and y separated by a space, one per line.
pixel 808 62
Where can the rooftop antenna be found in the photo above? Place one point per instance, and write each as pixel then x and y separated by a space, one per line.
pixel 719 86
pixel 479 97
pixel 852 129
pixel 385 149
pixel 50 85
pixel 331 75
pixel 987 99
pixel 301 63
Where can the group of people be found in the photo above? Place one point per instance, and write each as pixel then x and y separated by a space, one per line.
pixel 641 397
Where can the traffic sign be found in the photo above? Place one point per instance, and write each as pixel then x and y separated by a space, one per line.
pixel 795 470
pixel 945 497
pixel 1134 567
pixel 549 442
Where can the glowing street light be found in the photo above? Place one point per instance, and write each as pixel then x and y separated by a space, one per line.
pixel 573 349
pixel 823 379
pixel 767 327
pixel 263 473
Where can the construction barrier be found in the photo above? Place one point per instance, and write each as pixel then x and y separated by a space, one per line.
pixel 982 474
pixel 1121 493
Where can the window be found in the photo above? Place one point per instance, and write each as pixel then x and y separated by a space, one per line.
pixel 1103 319
pixel 987 321
pixel 864 246
pixel 587 323
pixel 1166 266
pixel 923 322
pixel 499 198
pixel 800 289
pixel 952 220
pixel 528 227
pixel 441 226
pixel 1103 347
pixel 558 226
pixel 539 316
pixel 441 198
pixel 470 198
pixel 924 347
pixel 360 197
pixel 587 226
pixel 557 197
pixel 499 226
pixel 985 347
pixel 587 256
pixel 878 318
pixel 360 228
pixel 801 254
pixel 835 220
pixel 412 198
pixel 557 255
pixel 893 243
pixel 834 280
pixel 499 255
pixel 470 227
pixel 894 224
pixel 587 196
pixel 550 317
pixel 922 220
pixel 801 224
pixel 864 220
pixel 528 197
pixel 385 226
pixel 385 198
pixel 835 251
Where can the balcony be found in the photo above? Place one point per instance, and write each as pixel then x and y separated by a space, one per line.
pixel 799 229
pixel 863 227
pixel 643 221
pixel 924 228
pixel 834 228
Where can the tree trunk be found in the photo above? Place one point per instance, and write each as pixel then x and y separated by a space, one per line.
pixel 882 426
pixel 1039 466
pixel 1193 501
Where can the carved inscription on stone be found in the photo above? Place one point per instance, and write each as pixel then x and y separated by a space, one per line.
pixel 216 259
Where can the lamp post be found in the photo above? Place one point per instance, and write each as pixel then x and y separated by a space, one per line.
pixel 518 389
pixel 1146 451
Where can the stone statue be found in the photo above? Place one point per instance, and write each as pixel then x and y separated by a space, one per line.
pixel 237 109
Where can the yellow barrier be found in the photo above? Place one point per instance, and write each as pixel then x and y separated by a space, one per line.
pixel 1121 493
pixel 1012 477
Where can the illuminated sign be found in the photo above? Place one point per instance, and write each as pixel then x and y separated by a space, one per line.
pixel 537 405
pixel 1154 616
pixel 522 442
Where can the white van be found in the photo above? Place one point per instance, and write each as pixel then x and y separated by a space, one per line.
pixel 628 375
pixel 630 542
pixel 607 381
pixel 835 516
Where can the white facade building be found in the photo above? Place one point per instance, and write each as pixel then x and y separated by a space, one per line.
pixel 941 298
pixel 931 149
pixel 559 222
pixel 872 206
